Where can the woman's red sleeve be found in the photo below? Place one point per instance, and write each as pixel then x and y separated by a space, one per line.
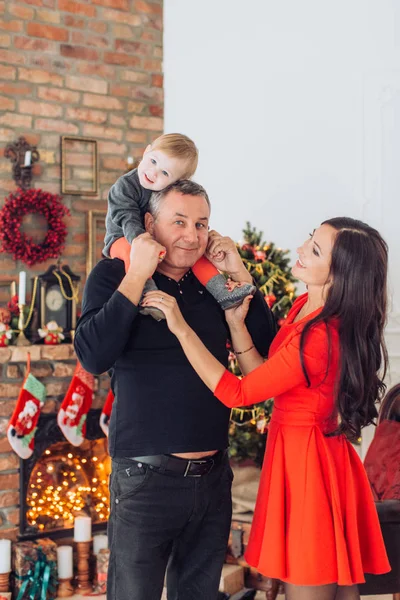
pixel 280 373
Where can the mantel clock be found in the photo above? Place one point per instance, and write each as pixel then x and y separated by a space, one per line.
pixel 56 298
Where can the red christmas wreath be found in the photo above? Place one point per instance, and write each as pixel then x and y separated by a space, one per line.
pixel 20 245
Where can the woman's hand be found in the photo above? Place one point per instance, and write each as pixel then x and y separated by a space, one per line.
pixel 169 306
pixel 235 316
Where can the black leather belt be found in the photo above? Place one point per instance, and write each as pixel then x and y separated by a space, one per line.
pixel 181 466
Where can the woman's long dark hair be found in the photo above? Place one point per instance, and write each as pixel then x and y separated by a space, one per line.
pixel 358 298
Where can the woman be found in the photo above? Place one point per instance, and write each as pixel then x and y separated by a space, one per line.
pixel 315 525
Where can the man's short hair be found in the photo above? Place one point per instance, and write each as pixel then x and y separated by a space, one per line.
pixel 186 187
pixel 178 145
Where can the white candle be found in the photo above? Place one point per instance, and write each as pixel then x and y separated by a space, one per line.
pixel 5 556
pixel 28 157
pixel 82 529
pixel 99 542
pixel 22 287
pixel 129 160
pixel 64 562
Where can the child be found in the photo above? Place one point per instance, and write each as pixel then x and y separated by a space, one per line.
pixel 170 157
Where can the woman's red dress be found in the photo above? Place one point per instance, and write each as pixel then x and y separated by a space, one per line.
pixel 315 520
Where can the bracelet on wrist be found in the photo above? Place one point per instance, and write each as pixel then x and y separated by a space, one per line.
pixel 243 351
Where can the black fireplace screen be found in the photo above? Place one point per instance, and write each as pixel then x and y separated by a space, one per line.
pixel 61 481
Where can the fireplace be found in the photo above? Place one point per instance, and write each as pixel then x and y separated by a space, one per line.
pixel 60 481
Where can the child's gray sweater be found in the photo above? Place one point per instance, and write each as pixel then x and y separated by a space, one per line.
pixel 127 205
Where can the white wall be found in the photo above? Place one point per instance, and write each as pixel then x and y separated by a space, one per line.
pixel 295 107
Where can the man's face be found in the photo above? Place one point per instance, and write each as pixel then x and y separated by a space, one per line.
pixel 182 227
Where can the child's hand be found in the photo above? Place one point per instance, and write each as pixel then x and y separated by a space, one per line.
pixel 223 254
pixel 169 306
pixel 218 246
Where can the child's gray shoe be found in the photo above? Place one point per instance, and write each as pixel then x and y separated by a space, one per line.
pixel 152 311
pixel 229 295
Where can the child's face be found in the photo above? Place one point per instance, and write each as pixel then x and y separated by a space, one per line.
pixel 157 170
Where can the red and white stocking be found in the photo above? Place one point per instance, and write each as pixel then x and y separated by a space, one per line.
pixel 106 412
pixel 73 411
pixel 23 423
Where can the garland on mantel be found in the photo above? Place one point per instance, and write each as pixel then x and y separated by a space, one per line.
pixel 20 245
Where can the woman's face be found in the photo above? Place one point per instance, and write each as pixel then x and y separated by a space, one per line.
pixel 313 264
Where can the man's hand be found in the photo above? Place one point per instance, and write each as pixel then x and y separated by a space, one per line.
pixel 169 306
pixel 145 255
pixel 222 253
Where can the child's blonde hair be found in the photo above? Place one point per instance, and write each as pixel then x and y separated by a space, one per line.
pixel 179 146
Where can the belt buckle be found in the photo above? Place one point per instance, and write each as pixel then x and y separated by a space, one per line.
pixel 186 473
pixel 196 462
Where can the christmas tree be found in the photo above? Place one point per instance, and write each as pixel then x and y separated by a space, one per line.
pixel 269 267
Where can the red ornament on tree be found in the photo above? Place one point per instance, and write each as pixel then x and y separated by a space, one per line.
pixel 260 255
pixel 17 243
pixel 270 299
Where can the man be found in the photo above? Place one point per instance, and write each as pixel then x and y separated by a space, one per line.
pixel 171 481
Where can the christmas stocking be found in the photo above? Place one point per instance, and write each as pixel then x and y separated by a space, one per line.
pixel 106 412
pixel 73 411
pixel 22 427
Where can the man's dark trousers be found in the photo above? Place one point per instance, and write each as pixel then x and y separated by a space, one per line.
pixel 161 520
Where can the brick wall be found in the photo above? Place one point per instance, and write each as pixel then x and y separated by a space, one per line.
pixel 89 68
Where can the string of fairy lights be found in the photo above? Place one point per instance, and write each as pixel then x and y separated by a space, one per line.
pixel 64 485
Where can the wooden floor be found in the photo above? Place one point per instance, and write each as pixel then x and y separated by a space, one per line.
pixel 259 596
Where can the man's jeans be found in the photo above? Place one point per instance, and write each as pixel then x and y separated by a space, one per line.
pixel 162 521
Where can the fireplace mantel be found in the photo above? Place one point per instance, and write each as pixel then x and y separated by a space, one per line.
pixel 38 352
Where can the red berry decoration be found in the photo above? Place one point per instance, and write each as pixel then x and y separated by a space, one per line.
pixel 20 245
pixel 270 299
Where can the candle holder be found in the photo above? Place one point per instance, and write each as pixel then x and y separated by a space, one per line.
pixel 65 588
pixel 84 585
pixel 23 156
pixel 21 340
pixel 4 582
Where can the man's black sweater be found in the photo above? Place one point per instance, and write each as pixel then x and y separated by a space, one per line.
pixel 161 405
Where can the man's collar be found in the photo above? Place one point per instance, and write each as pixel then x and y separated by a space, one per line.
pixel 187 275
